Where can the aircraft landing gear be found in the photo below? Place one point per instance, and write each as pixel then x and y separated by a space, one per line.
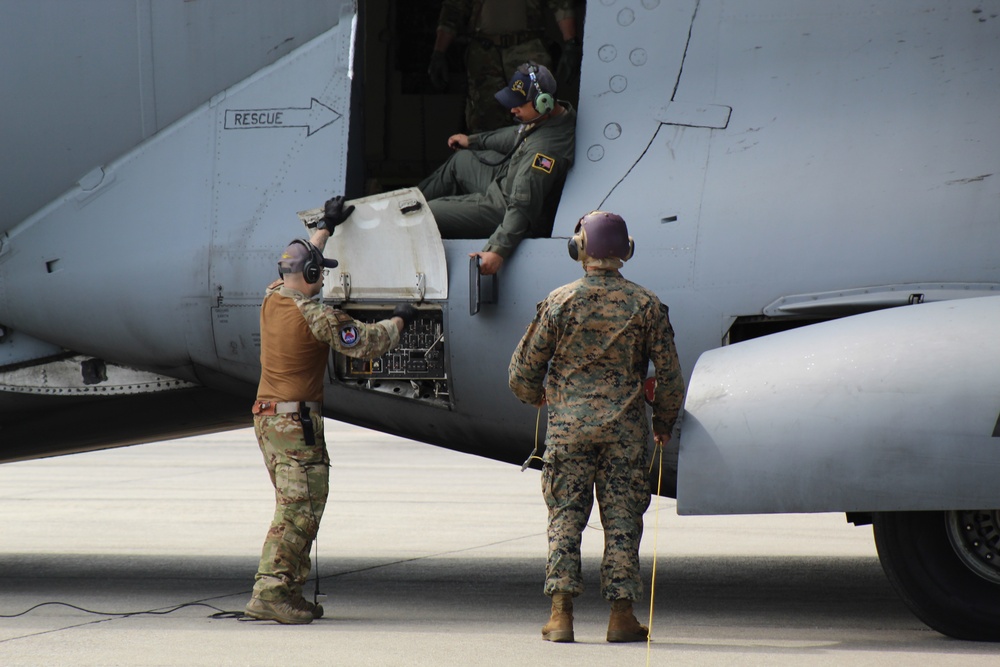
pixel 946 568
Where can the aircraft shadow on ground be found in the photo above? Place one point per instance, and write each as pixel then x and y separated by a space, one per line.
pixel 715 589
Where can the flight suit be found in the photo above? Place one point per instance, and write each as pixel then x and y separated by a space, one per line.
pixel 504 34
pixel 587 352
pixel 509 201
pixel 296 336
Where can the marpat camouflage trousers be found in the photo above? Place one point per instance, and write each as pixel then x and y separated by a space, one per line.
pixel 301 478
pixel 570 474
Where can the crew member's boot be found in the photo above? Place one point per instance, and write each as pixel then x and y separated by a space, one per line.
pixel 623 625
pixel 282 611
pixel 560 625
pixel 300 602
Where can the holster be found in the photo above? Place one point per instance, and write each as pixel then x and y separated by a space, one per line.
pixel 308 434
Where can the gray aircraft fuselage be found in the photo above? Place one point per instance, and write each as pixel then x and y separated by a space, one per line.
pixel 812 188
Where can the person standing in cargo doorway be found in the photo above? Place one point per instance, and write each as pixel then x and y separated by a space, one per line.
pixel 296 334
pixel 585 355
pixel 502 34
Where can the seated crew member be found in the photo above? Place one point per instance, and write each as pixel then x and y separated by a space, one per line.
pixel 507 185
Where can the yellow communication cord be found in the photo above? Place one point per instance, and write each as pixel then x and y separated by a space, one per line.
pixel 532 455
pixel 657 450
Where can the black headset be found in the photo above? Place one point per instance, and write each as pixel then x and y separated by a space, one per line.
pixel 312 268
pixel 576 246
pixel 543 102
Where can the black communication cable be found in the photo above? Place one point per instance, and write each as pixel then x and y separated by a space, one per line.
pixel 220 613
pixel 239 615
pixel 522 135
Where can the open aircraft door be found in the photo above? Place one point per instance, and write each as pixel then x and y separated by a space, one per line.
pixel 390 252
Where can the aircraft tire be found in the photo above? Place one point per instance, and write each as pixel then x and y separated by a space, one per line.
pixel 946 568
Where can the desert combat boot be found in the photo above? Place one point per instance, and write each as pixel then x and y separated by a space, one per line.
pixel 623 625
pixel 299 602
pixel 560 625
pixel 282 611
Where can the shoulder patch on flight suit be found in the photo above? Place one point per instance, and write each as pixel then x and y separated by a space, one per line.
pixel 349 335
pixel 543 163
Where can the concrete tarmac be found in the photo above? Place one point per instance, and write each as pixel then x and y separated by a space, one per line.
pixel 428 557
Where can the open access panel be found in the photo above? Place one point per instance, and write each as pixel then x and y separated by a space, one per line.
pixel 390 252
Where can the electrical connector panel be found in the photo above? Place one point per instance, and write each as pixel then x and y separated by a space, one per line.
pixel 419 356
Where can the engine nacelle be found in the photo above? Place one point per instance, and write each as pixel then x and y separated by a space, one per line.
pixel 891 410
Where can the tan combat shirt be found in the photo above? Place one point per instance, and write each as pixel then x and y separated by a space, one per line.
pixel 296 333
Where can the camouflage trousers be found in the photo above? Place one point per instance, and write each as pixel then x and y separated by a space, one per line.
pixel 301 478
pixel 570 474
pixel 490 68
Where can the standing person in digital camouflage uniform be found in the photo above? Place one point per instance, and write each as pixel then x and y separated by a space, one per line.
pixel 585 355
pixel 296 334
pixel 503 34
pixel 507 185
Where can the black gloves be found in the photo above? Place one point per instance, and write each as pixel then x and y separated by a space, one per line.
pixel 568 70
pixel 438 71
pixel 405 312
pixel 333 214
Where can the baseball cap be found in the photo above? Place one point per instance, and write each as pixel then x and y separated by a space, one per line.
pixel 521 90
pixel 295 256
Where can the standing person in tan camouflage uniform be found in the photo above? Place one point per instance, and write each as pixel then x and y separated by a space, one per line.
pixel 503 34
pixel 585 355
pixel 296 334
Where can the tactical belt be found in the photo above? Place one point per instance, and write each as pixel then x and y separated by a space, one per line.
pixel 284 407
pixel 504 41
